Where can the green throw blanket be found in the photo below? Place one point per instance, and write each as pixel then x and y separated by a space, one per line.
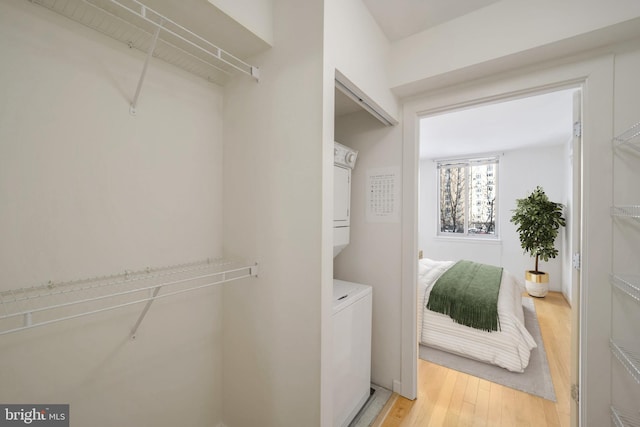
pixel 468 293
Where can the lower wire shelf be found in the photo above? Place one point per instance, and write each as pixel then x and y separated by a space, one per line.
pixel 621 419
pixel 627 358
pixel 27 308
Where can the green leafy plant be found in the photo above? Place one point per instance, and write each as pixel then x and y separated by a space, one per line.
pixel 538 220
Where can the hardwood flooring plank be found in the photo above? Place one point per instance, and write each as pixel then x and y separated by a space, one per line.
pixel 482 404
pixel 495 405
pixel 444 399
pixel 457 398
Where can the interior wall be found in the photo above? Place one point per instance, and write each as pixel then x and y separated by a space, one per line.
pixel 86 189
pixel 474 45
pixel 355 45
pixel 373 255
pixel 273 213
pixel 257 16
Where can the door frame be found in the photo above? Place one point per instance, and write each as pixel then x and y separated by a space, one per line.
pixel 595 77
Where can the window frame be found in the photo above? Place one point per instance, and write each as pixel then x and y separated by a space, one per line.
pixel 468 163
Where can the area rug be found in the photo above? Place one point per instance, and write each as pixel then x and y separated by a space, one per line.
pixel 536 379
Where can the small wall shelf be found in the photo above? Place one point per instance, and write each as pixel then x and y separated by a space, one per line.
pixel 629 138
pixel 628 359
pixel 26 308
pixel 623 420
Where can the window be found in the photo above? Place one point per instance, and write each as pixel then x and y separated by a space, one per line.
pixel 467 197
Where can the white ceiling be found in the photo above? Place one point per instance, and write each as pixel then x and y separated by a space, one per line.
pixel 534 121
pixel 401 18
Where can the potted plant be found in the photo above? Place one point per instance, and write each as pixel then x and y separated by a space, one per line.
pixel 538 220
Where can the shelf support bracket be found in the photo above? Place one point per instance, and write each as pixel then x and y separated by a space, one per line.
pixel 27 320
pixel 152 297
pixel 152 47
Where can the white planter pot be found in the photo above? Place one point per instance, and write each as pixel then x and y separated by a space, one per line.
pixel 537 284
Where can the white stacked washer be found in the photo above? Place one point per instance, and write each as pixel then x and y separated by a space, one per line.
pixel 352 305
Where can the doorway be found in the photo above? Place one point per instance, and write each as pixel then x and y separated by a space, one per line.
pixel 503 250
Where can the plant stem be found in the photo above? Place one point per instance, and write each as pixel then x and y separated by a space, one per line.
pixel 536 270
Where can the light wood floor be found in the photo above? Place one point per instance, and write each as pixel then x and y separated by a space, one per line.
pixel 450 398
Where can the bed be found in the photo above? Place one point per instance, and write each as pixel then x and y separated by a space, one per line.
pixel 509 347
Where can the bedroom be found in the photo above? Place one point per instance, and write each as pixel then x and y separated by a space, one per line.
pixel 245 166
pixel 533 139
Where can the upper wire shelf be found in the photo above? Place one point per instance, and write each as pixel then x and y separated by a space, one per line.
pixel 135 24
pixel 627 358
pixel 629 284
pixel 54 302
pixel 629 211
pixel 630 137
pixel 623 420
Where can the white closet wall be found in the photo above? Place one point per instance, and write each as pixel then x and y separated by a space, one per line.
pixel 273 163
pixel 87 189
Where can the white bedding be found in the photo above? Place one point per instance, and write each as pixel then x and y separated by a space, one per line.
pixel 510 347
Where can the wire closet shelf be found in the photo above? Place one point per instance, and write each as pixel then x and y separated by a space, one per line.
pixel 627 358
pixel 621 419
pixel 629 138
pixel 53 302
pixel 626 211
pixel 141 27
pixel 627 283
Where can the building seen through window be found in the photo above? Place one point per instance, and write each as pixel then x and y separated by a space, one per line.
pixel 467 197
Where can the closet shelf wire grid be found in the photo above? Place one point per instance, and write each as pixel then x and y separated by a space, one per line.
pixel 629 284
pixel 628 211
pixel 623 420
pixel 133 23
pixel 57 301
pixel 628 359
pixel 630 138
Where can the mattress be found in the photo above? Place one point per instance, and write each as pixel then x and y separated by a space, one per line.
pixel 510 347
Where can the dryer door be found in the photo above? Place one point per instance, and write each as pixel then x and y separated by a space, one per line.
pixel 341 196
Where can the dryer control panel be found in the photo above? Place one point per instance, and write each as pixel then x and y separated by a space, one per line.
pixel 344 156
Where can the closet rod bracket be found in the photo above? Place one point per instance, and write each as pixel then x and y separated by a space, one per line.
pixel 153 293
pixel 152 47
pixel 255 73
pixel 253 270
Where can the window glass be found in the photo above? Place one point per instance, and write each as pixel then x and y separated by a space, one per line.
pixel 467 197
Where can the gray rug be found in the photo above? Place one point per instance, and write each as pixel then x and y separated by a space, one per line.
pixel 536 379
